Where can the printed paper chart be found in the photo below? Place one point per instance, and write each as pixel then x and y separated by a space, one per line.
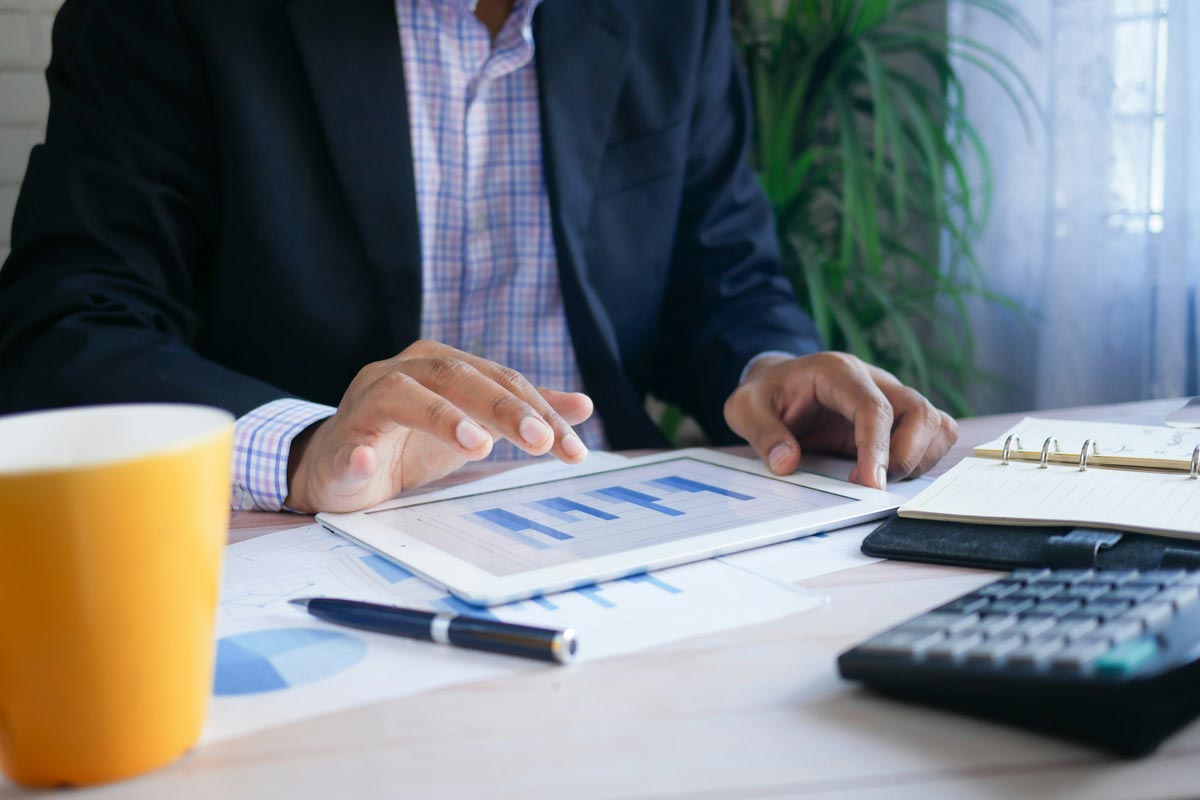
pixel 272 670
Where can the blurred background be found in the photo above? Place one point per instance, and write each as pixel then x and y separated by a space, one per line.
pixel 996 200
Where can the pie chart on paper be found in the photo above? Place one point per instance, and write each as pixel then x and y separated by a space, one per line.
pixel 280 658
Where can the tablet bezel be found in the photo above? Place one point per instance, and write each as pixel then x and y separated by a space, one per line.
pixel 481 588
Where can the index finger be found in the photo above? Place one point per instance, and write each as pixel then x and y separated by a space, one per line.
pixel 567 444
pixel 849 391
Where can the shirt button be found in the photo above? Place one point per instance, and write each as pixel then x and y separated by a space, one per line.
pixel 479 223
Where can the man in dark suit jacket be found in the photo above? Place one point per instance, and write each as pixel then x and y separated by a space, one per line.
pixel 238 204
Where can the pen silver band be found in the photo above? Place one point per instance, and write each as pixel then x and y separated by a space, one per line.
pixel 563 646
pixel 439 628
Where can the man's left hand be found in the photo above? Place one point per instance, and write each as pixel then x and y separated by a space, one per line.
pixel 836 403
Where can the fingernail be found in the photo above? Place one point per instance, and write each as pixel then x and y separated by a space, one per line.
pixel 778 453
pixel 470 435
pixel 573 446
pixel 534 431
pixel 881 476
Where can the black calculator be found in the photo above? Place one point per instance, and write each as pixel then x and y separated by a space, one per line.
pixel 1107 657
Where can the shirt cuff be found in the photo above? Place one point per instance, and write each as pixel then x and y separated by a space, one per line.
pixel 262 440
pixel 755 360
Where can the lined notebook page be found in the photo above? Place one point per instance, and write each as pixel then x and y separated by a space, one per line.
pixel 1116 443
pixel 983 490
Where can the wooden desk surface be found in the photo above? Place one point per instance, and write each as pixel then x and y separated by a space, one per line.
pixel 757 712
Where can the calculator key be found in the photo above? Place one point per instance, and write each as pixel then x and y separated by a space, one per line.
pixel 935 620
pixel 1152 615
pixel 1180 596
pixel 993 624
pixel 901 643
pixel 1106 609
pixel 1164 577
pixel 1032 626
pixel 1118 630
pixel 1085 591
pixel 953 647
pixel 1006 606
pixel 1116 575
pixel 1035 651
pixel 1071 627
pixel 1030 574
pixel 1000 588
pixel 1039 591
pixel 1073 575
pixel 1133 592
pixel 1190 579
pixel 992 651
pixel 1125 658
pixel 1079 655
pixel 1053 608
pixel 965 605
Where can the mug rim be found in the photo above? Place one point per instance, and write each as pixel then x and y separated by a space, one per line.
pixel 220 421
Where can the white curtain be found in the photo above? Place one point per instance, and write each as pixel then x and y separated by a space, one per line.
pixel 1095 221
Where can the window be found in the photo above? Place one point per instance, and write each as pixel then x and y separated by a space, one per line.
pixel 1139 75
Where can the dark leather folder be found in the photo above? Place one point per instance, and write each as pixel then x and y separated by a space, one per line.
pixel 1006 547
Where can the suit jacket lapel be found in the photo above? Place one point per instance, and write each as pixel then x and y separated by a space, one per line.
pixel 351 52
pixel 582 56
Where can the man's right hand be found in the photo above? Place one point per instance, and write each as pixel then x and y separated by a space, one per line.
pixel 419 416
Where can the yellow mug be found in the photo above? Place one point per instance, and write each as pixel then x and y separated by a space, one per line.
pixel 113 520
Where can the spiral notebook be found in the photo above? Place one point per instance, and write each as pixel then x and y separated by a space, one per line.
pixel 1066 472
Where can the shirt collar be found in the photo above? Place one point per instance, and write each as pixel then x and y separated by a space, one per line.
pixel 524 8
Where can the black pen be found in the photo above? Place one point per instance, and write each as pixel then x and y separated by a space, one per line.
pixel 475 633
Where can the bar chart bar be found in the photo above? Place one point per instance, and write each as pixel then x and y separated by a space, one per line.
pixel 646 577
pixel 562 505
pixel 689 485
pixel 506 532
pixel 453 605
pixel 507 520
pixel 638 499
pixel 593 593
pixel 540 506
pixel 388 570
pixel 543 602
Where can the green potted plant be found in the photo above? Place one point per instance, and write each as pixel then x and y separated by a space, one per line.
pixel 867 156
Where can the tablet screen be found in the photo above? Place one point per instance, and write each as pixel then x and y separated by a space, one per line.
pixel 509 531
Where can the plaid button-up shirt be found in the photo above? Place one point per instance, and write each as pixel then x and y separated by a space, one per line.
pixel 489 271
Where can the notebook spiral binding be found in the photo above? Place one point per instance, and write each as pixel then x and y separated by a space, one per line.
pixel 1083 453
pixel 1050 442
pixel 1089 448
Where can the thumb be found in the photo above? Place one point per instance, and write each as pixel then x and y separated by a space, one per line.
pixel 752 416
pixel 353 466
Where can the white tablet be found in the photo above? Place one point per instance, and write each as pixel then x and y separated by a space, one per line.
pixel 610 520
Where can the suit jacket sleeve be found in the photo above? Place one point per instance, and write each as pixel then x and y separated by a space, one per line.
pixel 112 232
pixel 727 298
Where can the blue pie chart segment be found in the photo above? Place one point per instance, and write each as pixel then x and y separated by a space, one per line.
pixel 277 658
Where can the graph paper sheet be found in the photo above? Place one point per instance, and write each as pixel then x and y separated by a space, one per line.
pixel 276 664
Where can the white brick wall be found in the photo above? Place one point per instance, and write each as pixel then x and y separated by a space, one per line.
pixel 24 52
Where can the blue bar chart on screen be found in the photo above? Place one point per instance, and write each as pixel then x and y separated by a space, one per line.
pixel 556 522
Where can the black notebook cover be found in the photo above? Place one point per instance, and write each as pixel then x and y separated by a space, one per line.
pixel 1005 547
